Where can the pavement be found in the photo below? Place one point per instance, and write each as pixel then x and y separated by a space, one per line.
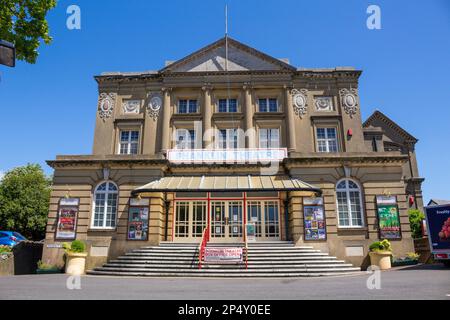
pixel 417 282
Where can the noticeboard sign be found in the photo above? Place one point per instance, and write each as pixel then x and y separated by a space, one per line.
pixel 438 222
pixel 66 228
pixel 314 219
pixel 224 255
pixel 388 218
pixel 251 232
pixel 138 218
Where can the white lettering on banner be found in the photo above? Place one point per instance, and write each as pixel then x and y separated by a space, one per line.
pixel 223 255
pixel 229 155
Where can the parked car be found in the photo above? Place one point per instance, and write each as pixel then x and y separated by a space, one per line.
pixel 10 238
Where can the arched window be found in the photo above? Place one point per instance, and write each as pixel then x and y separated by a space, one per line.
pixel 105 206
pixel 349 204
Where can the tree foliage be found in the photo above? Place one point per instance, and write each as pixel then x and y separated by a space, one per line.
pixel 415 220
pixel 23 23
pixel 24 201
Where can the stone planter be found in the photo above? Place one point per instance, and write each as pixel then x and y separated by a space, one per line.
pixel 75 263
pixel 381 259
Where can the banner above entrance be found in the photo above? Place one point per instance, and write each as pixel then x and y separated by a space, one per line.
pixel 228 184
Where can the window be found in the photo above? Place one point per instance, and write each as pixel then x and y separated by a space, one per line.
pixel 187 106
pixel 105 206
pixel 269 138
pixel 129 142
pixel 185 139
pixel 268 105
pixel 349 204
pixel 228 105
pixel 327 140
pixel 227 139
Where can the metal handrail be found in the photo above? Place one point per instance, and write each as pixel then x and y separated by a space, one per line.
pixel 202 247
pixel 246 247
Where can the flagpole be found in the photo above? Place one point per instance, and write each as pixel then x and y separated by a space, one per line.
pixel 226 37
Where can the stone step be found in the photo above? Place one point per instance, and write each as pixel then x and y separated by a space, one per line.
pixel 222 275
pixel 251 251
pixel 222 266
pixel 268 262
pixel 231 271
pixel 253 259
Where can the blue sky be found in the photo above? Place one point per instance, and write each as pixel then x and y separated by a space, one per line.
pixel 49 108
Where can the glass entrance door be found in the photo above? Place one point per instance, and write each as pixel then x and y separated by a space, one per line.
pixel 226 221
pixel 266 217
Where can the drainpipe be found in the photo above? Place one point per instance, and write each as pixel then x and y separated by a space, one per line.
pixel 412 176
pixel 166 208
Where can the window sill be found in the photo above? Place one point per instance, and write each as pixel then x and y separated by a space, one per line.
pixel 101 229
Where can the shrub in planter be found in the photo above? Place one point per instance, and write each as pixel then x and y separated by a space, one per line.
pixel 75 257
pixel 45 268
pixel 380 254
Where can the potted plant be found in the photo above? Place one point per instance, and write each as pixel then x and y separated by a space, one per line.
pixel 75 257
pixel 45 268
pixel 380 254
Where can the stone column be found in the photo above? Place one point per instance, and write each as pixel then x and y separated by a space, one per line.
pixel 249 128
pixel 165 144
pixel 207 115
pixel 289 111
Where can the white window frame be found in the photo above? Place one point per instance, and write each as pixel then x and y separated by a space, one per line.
pixel 105 205
pixel 187 135
pixel 187 106
pixel 327 140
pixel 269 138
pixel 128 143
pixel 227 106
pixel 347 191
pixel 268 105
pixel 231 133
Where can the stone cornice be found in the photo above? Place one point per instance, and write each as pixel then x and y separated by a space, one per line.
pixel 108 161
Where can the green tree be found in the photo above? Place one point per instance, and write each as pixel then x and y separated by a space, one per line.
pixel 24 201
pixel 415 220
pixel 23 23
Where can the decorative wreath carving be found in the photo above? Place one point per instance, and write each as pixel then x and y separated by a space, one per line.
pixel 154 105
pixel 349 101
pixel 300 101
pixel 131 106
pixel 106 105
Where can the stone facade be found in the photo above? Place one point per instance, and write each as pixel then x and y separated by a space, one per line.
pixel 378 155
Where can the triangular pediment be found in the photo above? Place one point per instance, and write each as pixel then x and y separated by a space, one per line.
pixel 240 58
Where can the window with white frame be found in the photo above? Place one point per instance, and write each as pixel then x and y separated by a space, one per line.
pixel 185 139
pixel 105 206
pixel 349 204
pixel 268 105
pixel 227 105
pixel 269 138
pixel 227 139
pixel 327 140
pixel 187 106
pixel 129 142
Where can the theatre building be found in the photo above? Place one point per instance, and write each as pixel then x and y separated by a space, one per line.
pixel 227 141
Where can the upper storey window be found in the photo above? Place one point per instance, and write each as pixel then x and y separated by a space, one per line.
pixel 228 105
pixel 187 106
pixel 227 139
pixel 269 138
pixel 327 140
pixel 185 139
pixel 268 105
pixel 129 142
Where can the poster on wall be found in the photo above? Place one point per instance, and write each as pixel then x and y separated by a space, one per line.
pixel 251 232
pixel 388 218
pixel 66 228
pixel 138 217
pixel 314 219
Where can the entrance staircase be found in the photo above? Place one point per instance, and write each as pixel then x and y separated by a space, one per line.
pixel 265 260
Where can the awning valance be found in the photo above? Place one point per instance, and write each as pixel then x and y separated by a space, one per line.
pixel 227 184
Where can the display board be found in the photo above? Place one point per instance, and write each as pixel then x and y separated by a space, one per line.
pixel 388 218
pixel 438 221
pixel 224 255
pixel 66 228
pixel 314 219
pixel 138 218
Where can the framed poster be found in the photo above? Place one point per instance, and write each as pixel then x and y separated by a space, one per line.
pixel 251 232
pixel 388 218
pixel 314 219
pixel 66 228
pixel 138 218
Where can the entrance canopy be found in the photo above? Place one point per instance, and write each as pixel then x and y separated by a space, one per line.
pixel 228 184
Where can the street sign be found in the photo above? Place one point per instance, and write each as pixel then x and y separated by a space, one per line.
pixel 7 54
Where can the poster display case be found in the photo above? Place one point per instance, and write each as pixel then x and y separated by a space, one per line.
pixel 314 220
pixel 138 218
pixel 388 218
pixel 66 228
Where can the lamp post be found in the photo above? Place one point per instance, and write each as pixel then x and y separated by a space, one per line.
pixel 7 54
